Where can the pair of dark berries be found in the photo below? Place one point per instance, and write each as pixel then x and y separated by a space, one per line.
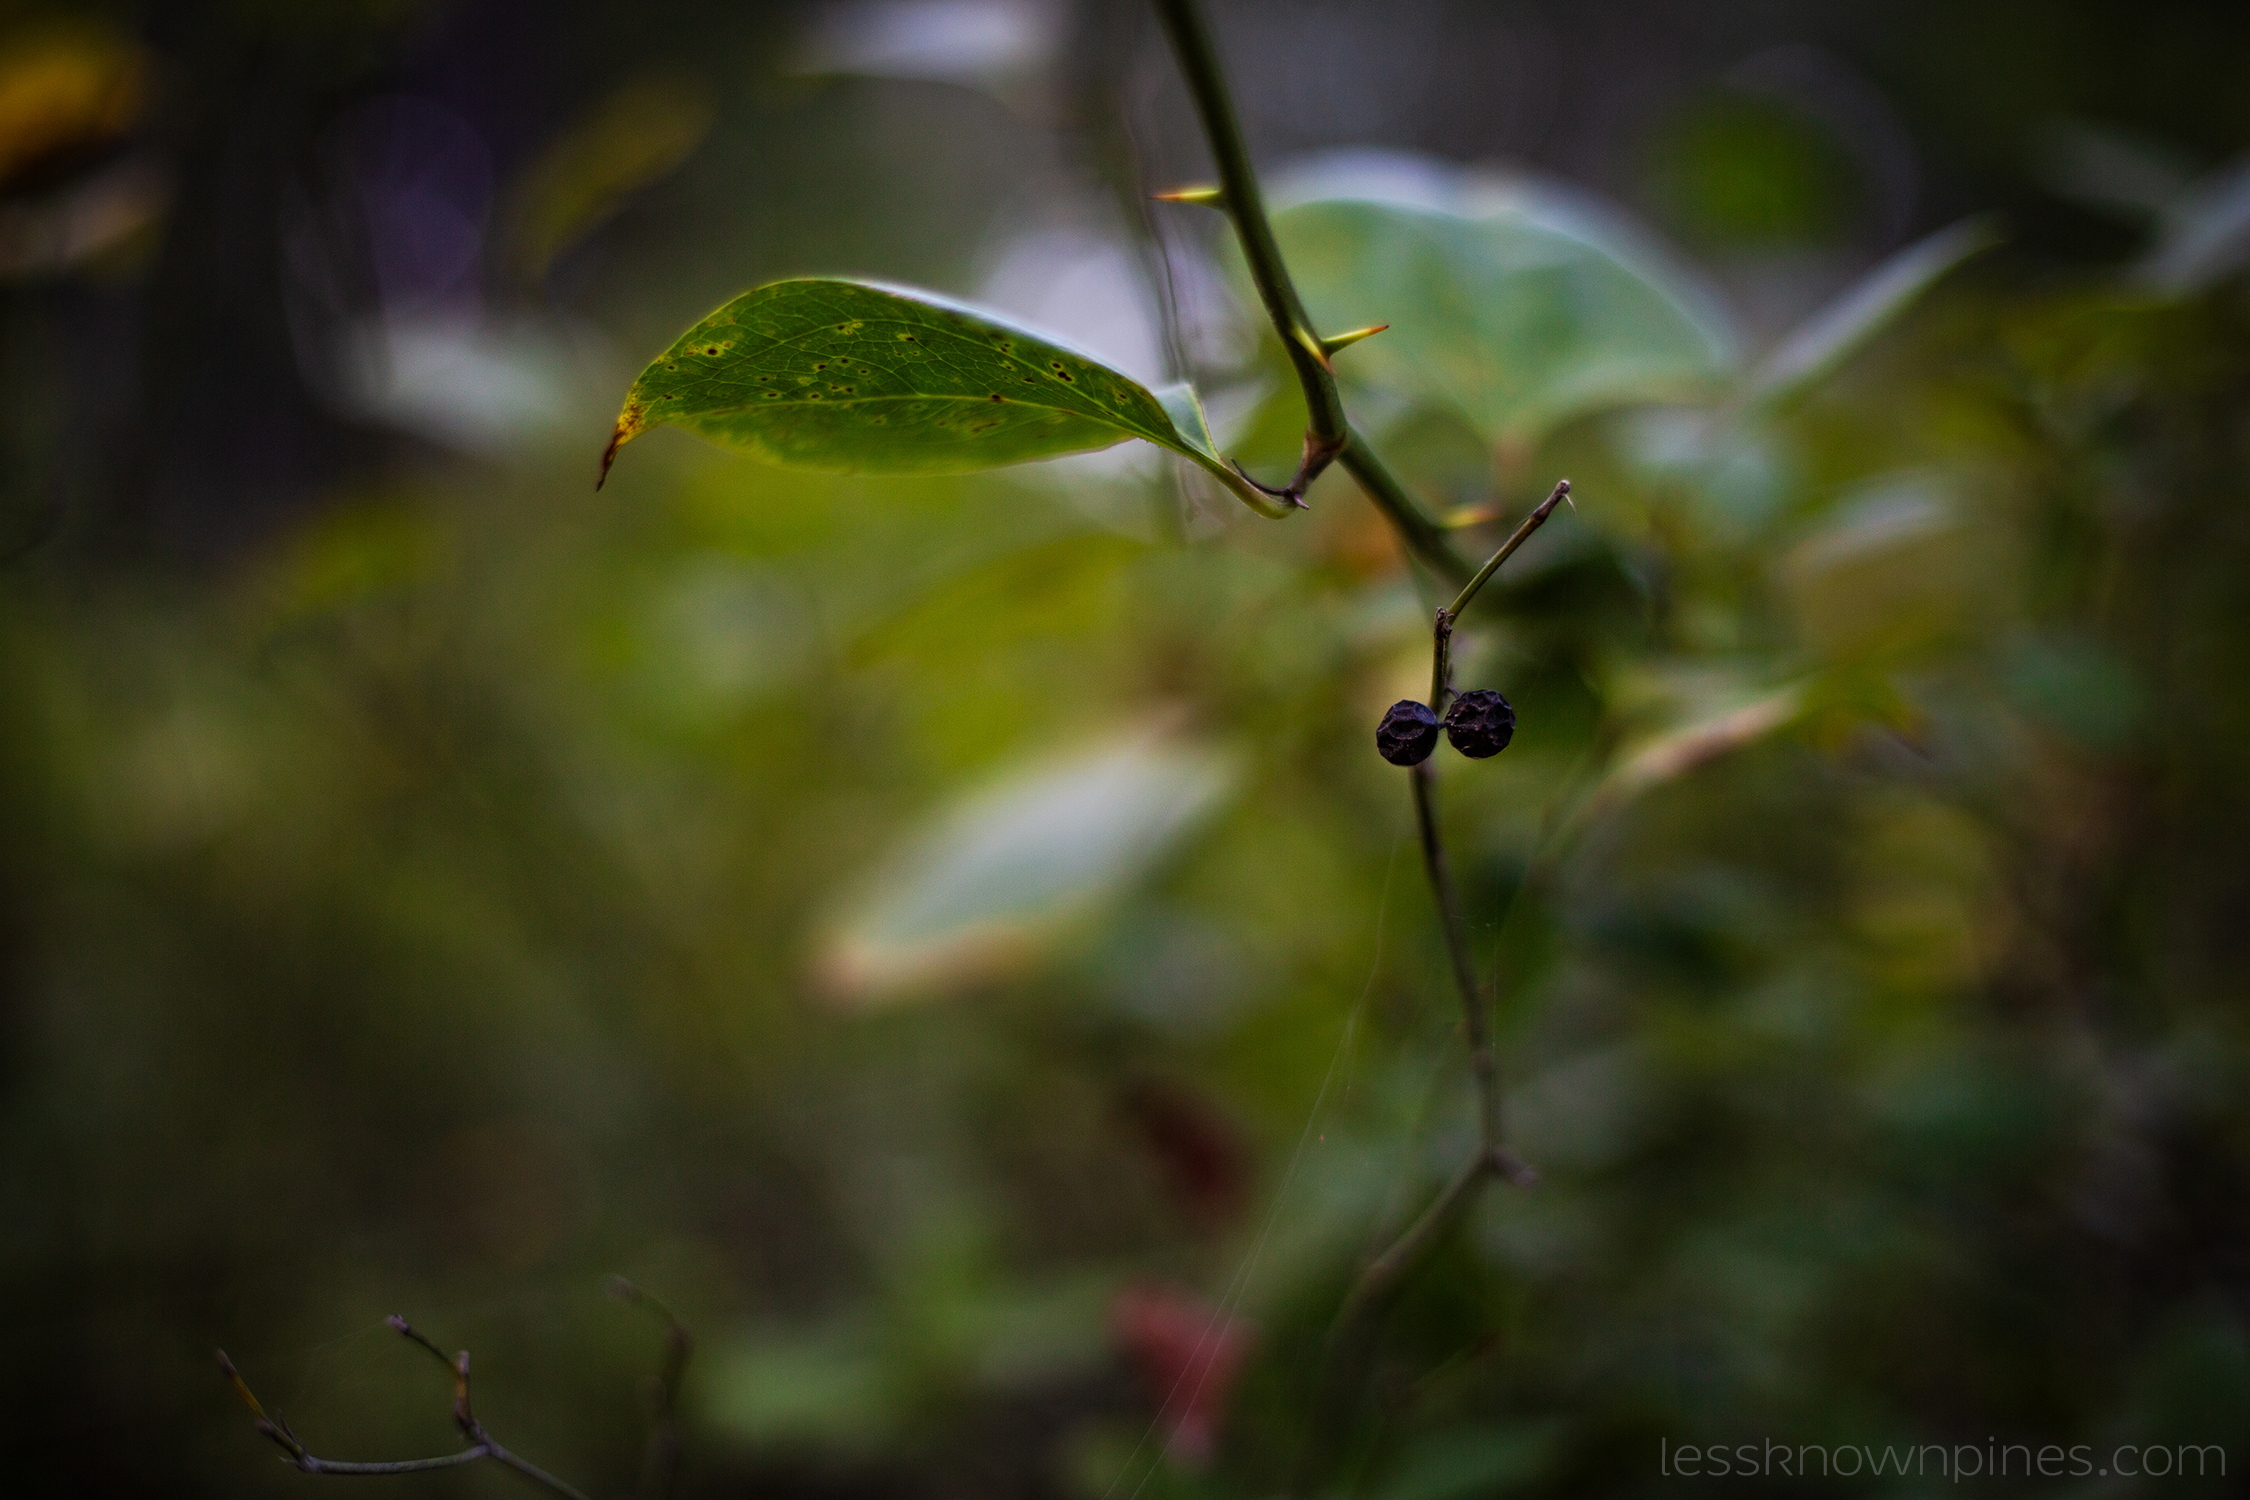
pixel 1478 722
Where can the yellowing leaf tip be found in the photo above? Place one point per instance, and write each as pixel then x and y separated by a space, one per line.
pixel 631 423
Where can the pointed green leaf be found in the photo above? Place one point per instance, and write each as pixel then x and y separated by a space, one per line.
pixel 1185 409
pixel 1681 749
pixel 989 882
pixel 2202 236
pixel 1839 330
pixel 1519 314
pixel 849 377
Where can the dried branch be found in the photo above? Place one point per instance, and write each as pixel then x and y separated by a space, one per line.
pixel 660 1459
pixel 658 1467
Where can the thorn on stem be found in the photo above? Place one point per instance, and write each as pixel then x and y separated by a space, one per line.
pixel 1288 496
pixel 1202 195
pixel 1345 340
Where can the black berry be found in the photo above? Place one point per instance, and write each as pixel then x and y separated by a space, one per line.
pixel 1407 734
pixel 1480 723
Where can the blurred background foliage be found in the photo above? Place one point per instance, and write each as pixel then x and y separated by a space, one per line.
pixel 950 938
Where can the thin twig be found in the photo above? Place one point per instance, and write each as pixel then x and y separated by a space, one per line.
pixel 1482 1065
pixel 1387 1271
pixel 1482 1062
pixel 660 1460
pixel 1441 668
pixel 481 1443
pixel 1351 1337
pixel 1516 538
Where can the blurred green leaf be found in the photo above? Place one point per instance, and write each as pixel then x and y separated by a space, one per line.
pixel 1519 314
pixel 1891 565
pixel 2077 685
pixel 356 553
pixel 991 880
pixel 830 1384
pixel 2119 172
pixel 852 1381
pixel 1677 751
pixel 635 137
pixel 1459 1464
pixel 2202 236
pixel 1837 331
pixel 848 377
pixel 1746 170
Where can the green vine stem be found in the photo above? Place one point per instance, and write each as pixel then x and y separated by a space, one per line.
pixel 1329 438
pixel 1423 537
pixel 1351 1338
pixel 1493 1156
pixel 1441 664
pixel 1328 433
